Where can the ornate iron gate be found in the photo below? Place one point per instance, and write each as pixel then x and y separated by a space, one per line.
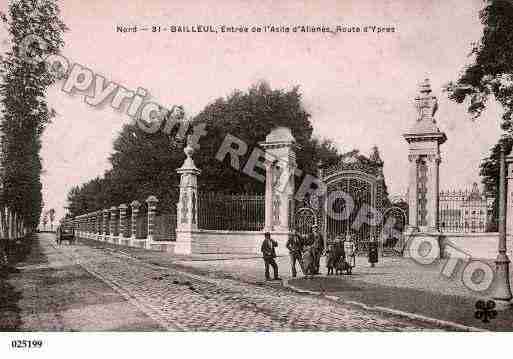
pixel 306 215
pixel 393 241
pixel 354 200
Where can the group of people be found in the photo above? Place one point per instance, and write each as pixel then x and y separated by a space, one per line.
pixel 307 251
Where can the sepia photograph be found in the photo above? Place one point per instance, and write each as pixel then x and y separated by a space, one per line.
pixel 230 172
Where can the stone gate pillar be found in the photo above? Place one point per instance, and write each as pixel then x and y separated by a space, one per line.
pixel 152 209
pixel 90 219
pixel 424 140
pixel 280 156
pixel 413 225
pixel 122 220
pixel 135 214
pixel 105 224
pixel 113 222
pixel 187 206
pixel 99 224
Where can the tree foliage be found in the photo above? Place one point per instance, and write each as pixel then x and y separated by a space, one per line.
pixel 24 109
pixel 491 72
pixel 145 164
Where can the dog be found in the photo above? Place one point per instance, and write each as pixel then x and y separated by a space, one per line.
pixel 342 266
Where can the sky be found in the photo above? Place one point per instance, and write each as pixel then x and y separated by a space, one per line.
pixel 358 87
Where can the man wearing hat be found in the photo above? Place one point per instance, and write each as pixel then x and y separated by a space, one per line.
pixel 295 247
pixel 317 247
pixel 269 253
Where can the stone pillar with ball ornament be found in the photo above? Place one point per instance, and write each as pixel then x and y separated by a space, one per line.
pixel 106 225
pixel 99 224
pixel 280 153
pixel 424 139
pixel 135 214
pixel 187 206
pixel 112 223
pixel 122 220
pixel 151 201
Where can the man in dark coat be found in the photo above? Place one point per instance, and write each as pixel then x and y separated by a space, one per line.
pixel 317 247
pixel 295 248
pixel 269 253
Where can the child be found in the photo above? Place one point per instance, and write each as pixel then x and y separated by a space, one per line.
pixel 331 258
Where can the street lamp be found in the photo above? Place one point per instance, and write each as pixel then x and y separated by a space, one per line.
pixel 502 293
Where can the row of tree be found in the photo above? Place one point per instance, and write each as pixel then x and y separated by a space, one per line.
pixel 145 164
pixel 142 164
pixel 24 110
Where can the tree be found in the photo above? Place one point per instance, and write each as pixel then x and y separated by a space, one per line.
pixel 489 172
pixel 145 164
pixel 24 110
pixel 250 116
pixel 490 74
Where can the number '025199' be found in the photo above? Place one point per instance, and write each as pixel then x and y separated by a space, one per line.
pixel 26 344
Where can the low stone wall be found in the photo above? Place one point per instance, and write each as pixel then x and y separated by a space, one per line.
pixel 162 246
pixel 235 242
pixel 477 245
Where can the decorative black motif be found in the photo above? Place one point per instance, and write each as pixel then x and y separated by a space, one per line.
pixel 193 214
pixel 185 209
pixel 485 310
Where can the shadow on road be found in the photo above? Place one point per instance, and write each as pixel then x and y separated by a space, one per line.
pixel 457 309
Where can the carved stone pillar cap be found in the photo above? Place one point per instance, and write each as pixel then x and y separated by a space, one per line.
pixel 113 208
pixel 135 204
pixel 152 200
pixel 122 206
pixel 106 211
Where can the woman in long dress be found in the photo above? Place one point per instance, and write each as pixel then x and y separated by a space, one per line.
pixel 349 249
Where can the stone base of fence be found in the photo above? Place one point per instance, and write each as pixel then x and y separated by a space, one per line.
pixel 477 245
pixel 419 244
pixel 146 243
pixel 202 241
pixel 464 245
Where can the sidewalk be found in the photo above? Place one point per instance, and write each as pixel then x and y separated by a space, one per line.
pixel 396 283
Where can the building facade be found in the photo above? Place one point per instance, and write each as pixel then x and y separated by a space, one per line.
pixel 464 211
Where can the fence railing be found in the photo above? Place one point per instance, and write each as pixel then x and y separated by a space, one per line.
pixel 165 227
pixel 141 229
pixel 231 212
pixel 463 211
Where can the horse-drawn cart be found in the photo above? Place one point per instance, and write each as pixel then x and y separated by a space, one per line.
pixel 65 233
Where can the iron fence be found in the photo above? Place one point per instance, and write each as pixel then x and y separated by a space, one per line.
pixel 231 212
pixel 141 230
pixel 165 227
pixel 128 225
pixel 463 211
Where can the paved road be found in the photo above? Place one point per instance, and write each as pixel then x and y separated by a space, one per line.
pixel 179 300
pixel 51 292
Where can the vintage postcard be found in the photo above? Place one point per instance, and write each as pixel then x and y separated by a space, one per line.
pixel 255 166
